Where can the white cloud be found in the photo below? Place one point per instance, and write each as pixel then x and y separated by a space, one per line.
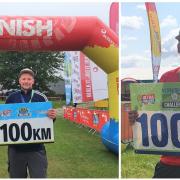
pixel 143 73
pixel 135 60
pixel 169 21
pixel 132 22
pixel 141 6
pixel 172 60
pixel 164 50
pixel 137 73
pixel 169 43
pixel 171 35
pixel 140 67
pixel 130 38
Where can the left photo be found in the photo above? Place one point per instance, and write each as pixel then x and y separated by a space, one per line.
pixel 59 89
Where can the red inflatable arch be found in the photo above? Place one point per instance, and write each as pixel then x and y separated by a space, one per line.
pixel 86 34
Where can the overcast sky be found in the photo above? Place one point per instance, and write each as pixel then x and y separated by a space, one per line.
pixel 100 9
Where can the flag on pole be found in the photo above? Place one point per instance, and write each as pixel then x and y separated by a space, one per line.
pixel 67 77
pixel 155 38
pixel 76 77
pixel 114 17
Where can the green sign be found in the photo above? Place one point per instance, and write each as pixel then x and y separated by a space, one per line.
pixel 155 96
pixel 157 129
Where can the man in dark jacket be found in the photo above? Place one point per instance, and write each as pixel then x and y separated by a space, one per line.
pixel 28 156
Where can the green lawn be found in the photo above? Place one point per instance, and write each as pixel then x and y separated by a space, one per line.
pixel 58 104
pixel 137 165
pixel 75 154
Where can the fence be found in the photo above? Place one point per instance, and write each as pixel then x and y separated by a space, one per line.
pixel 94 119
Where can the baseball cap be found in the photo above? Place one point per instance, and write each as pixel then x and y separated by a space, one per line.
pixel 26 70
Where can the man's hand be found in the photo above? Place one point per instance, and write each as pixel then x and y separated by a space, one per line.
pixel 133 115
pixel 52 113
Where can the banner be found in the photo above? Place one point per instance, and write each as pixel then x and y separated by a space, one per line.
pixel 155 38
pixel 89 82
pixel 76 77
pixel 67 77
pixel 99 82
pixel 114 17
pixel 25 123
pixel 86 82
pixel 158 127
pixel 80 77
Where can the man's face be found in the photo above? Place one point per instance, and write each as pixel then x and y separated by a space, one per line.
pixel 26 81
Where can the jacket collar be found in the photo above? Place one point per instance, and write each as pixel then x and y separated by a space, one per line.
pixel 28 92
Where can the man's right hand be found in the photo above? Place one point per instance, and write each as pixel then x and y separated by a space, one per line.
pixel 133 115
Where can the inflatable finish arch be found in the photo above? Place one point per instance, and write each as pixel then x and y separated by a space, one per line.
pixel 86 34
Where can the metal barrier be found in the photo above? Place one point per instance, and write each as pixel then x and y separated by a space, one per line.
pixel 94 119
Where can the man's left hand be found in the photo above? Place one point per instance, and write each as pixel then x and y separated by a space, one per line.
pixel 52 113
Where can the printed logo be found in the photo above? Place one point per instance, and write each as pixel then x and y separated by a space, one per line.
pixel 148 99
pixel 5 113
pixel 23 112
pixel 174 96
pixel 170 97
pixel 173 102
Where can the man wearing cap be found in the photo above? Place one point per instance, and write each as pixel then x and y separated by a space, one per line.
pixel 31 156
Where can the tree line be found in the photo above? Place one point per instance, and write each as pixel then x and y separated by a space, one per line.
pixel 46 66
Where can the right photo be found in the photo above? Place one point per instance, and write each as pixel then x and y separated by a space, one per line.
pixel 150 90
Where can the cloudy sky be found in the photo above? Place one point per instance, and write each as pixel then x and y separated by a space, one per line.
pixel 135 41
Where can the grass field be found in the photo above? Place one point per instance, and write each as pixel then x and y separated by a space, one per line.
pixel 137 165
pixel 58 104
pixel 75 154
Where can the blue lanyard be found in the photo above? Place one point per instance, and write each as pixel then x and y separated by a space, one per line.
pixel 22 98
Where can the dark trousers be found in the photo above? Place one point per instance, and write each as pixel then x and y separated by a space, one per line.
pixel 34 161
pixel 166 171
